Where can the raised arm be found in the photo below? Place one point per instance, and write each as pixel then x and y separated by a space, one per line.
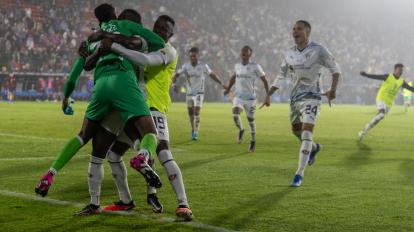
pixel 407 86
pixel 382 77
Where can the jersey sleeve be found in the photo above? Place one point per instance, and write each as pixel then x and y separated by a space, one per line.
pixel 169 54
pixel 259 71
pixel 284 67
pixel 207 69
pixel 155 42
pixel 73 77
pixel 328 61
pixel 182 70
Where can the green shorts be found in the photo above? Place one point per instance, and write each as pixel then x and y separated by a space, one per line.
pixel 118 90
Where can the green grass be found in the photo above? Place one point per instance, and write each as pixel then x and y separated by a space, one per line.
pixel 352 187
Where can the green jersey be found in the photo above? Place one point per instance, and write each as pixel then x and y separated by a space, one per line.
pixel 389 89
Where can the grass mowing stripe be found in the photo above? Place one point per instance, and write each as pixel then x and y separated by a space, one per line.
pixel 30 137
pixel 78 205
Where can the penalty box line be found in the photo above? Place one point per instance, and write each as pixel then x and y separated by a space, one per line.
pixel 127 213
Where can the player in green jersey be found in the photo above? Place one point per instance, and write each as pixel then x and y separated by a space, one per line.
pixel 391 85
pixel 106 75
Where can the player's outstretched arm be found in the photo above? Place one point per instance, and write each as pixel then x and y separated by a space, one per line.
pixel 231 83
pixel 407 86
pixel 268 99
pixel 375 77
pixel 331 93
pixel 217 79
pixel 265 84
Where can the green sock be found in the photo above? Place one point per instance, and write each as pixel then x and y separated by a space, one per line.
pixel 70 149
pixel 149 143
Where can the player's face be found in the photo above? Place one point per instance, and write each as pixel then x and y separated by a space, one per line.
pixel 164 29
pixel 398 71
pixel 194 57
pixel 245 54
pixel 300 33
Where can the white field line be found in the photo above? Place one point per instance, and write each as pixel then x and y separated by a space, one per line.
pixel 36 158
pixel 30 137
pixel 33 197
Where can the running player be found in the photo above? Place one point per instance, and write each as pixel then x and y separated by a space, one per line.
pixel 160 66
pixel 244 77
pixel 391 85
pixel 408 95
pixel 195 72
pixel 303 63
pixel 133 110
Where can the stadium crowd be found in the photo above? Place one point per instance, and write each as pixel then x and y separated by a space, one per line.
pixel 42 37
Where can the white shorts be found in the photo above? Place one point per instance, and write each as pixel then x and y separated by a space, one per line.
pixel 195 101
pixel 161 124
pixel 305 111
pixel 382 106
pixel 248 105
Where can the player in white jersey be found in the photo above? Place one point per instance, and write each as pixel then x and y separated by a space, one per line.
pixel 303 64
pixel 244 78
pixel 195 73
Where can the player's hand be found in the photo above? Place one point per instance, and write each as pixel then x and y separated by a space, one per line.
pixel 331 95
pixel 96 36
pixel 82 50
pixel 363 73
pixel 105 46
pixel 175 88
pixel 224 86
pixel 267 102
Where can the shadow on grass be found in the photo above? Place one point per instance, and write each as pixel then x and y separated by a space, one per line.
pixel 243 213
pixel 201 162
pixel 360 157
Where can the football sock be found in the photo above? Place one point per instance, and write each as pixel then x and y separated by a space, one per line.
pixel 150 189
pixel 95 177
pixel 119 173
pixel 237 121
pixel 174 175
pixel 196 123
pixel 252 126
pixel 298 135
pixel 68 151
pixel 149 143
pixel 374 122
pixel 304 152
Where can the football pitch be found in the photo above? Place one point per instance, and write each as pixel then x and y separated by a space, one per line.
pixel 353 186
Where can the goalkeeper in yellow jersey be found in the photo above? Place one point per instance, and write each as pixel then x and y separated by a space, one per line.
pixel 391 85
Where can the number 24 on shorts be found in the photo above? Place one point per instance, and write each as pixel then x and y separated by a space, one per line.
pixel 309 109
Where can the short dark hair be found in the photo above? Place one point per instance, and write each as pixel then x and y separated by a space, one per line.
pixel 167 18
pixel 104 12
pixel 398 65
pixel 248 48
pixel 131 15
pixel 306 24
pixel 194 49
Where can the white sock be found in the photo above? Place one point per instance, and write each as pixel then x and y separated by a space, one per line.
pixel 151 190
pixel 95 177
pixel 192 121
pixel 298 135
pixel 196 123
pixel 305 150
pixel 237 121
pixel 374 122
pixel 174 176
pixel 252 126
pixel 119 173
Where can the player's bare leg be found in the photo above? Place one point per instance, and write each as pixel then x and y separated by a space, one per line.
pixel 239 124
pixel 87 131
pixel 145 126
pixel 196 122
pixel 380 116
pixel 191 118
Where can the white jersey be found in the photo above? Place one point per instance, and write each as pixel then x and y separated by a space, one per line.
pixel 246 76
pixel 196 76
pixel 304 68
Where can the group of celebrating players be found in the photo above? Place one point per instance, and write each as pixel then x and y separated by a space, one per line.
pixel 134 69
